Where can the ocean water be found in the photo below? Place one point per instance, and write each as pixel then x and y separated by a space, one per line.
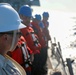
pixel 62 26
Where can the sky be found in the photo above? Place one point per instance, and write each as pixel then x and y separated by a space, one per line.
pixel 57 5
pixel 63 5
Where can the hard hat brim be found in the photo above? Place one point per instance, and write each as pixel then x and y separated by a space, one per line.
pixel 22 26
pixel 12 28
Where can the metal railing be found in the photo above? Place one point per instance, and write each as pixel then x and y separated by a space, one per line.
pixel 57 54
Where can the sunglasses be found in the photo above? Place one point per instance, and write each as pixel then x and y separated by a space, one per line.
pixel 18 33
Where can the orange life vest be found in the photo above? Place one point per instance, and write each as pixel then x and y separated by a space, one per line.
pixel 32 39
pixel 39 33
pixel 21 54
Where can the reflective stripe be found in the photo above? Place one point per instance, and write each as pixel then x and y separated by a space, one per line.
pixel 25 53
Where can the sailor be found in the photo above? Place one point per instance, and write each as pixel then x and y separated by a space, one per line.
pixel 31 38
pixel 10 25
pixel 25 13
pixel 39 63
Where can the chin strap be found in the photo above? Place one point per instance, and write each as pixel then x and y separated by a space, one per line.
pixel 13 41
